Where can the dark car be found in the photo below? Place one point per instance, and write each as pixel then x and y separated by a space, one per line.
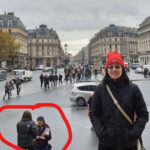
pixel 3 75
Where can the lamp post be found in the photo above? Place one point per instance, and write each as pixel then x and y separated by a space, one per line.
pixel 65 52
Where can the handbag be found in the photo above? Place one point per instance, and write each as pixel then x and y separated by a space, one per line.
pixel 126 116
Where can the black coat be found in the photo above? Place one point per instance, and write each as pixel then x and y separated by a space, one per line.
pixel 51 78
pixel 112 129
pixel 27 131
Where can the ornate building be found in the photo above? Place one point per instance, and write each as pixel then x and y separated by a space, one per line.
pixel 44 47
pixel 113 38
pixel 13 25
pixel 144 42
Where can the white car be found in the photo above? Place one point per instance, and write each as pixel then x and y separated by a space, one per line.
pixel 81 92
pixel 139 70
pixel 22 75
pixel 48 69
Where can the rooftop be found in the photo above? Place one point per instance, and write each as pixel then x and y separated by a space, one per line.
pixel 10 20
pixel 42 32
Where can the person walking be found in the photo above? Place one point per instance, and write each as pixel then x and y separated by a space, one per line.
pixel 18 85
pixel 11 87
pixel 112 127
pixel 60 79
pixel 51 79
pixel 7 91
pixel 43 136
pixel 41 79
pixel 55 80
pixel 46 81
pixel 27 131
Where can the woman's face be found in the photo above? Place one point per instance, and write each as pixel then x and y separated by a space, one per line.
pixel 40 123
pixel 115 71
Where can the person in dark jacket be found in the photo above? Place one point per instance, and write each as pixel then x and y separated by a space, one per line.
pixel 18 85
pixel 113 130
pixel 60 79
pixel 7 91
pixel 46 81
pixel 51 79
pixel 44 135
pixel 27 131
pixel 55 79
pixel 41 79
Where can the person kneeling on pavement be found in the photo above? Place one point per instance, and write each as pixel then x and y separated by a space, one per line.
pixel 44 135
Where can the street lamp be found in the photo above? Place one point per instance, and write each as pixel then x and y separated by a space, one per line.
pixel 65 51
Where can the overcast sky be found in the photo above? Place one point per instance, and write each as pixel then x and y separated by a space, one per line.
pixel 76 21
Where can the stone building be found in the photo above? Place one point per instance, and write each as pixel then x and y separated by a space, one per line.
pixel 113 38
pixel 144 42
pixel 44 47
pixel 13 25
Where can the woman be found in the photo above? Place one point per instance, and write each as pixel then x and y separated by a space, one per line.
pixel 113 130
pixel 44 135
pixel 27 131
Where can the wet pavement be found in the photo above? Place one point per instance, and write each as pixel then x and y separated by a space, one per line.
pixel 83 137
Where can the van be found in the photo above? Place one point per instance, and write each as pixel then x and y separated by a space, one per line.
pixel 3 75
pixel 23 75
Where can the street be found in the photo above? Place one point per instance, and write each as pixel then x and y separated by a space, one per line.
pixel 32 93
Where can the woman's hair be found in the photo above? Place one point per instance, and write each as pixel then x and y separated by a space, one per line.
pixel 27 115
pixel 124 78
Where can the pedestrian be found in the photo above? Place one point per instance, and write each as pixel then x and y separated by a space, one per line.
pixel 7 91
pixel 51 79
pixel 145 72
pixel 18 85
pixel 11 87
pixel 43 136
pixel 46 81
pixel 41 79
pixel 60 79
pixel 55 79
pixel 27 131
pixel 110 124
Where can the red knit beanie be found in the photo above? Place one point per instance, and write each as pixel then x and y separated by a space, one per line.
pixel 114 57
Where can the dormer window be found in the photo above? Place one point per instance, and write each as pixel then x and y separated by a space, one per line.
pixel 1 23
pixel 9 23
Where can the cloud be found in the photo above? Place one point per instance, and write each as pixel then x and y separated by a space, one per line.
pixel 76 19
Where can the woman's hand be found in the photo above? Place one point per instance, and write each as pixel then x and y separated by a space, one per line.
pixel 44 134
pixel 37 137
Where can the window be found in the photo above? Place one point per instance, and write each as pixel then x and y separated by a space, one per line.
pixel 92 88
pixel 1 23
pixel 9 23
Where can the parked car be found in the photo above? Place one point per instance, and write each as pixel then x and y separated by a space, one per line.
pixel 40 67
pixel 139 70
pixel 3 75
pixel 81 92
pixel 22 74
pixel 48 69
pixel 135 65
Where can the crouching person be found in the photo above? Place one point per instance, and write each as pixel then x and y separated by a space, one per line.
pixel 27 131
pixel 44 135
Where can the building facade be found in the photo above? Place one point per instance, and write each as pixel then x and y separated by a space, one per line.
pixel 14 26
pixel 144 42
pixel 44 47
pixel 114 38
